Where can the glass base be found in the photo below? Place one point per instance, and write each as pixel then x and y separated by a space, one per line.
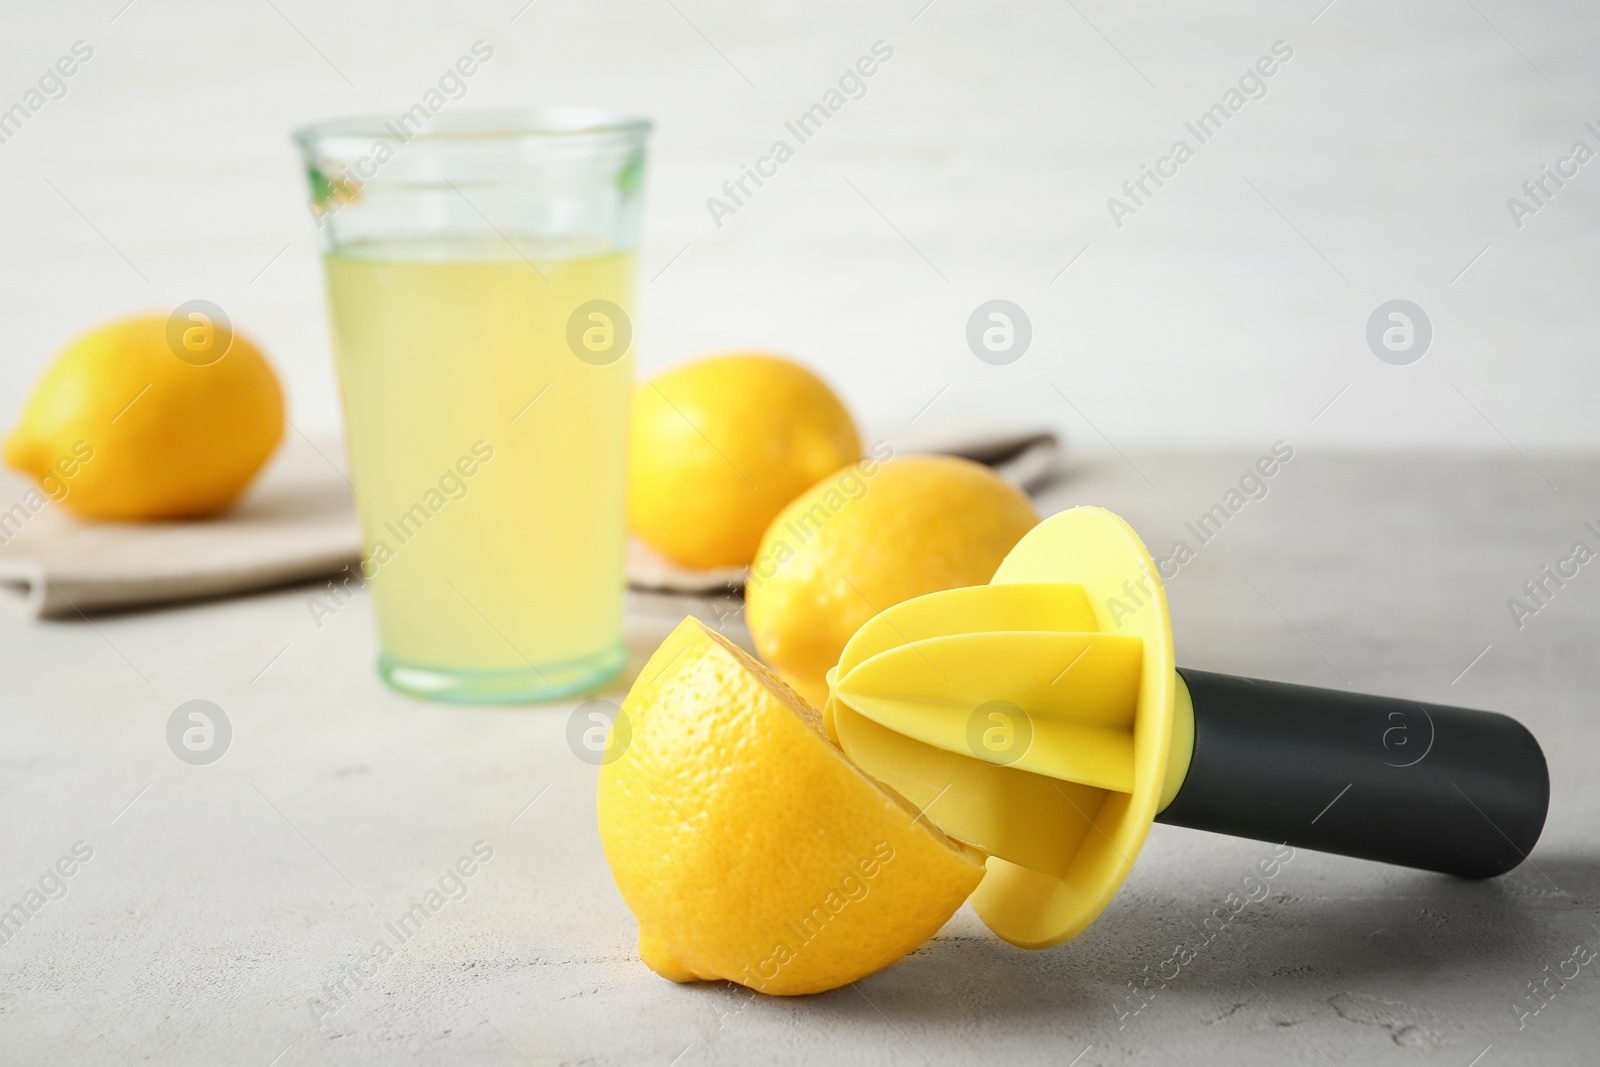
pixel 522 685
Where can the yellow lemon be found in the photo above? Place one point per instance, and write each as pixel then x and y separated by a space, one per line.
pixel 123 427
pixel 719 446
pixel 867 538
pixel 747 846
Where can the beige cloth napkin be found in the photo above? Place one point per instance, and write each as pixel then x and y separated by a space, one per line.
pixel 297 524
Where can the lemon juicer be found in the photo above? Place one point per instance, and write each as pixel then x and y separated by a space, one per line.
pixel 1041 719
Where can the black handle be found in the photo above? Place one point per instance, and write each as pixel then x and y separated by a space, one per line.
pixel 1420 785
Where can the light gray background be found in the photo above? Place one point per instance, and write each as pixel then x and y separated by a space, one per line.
pixel 220 898
pixel 983 152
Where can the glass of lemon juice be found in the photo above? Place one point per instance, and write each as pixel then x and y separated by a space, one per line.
pixel 480 277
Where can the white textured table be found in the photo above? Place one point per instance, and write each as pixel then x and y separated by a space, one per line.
pixel 219 900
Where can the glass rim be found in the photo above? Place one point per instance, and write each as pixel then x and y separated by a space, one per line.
pixel 479 125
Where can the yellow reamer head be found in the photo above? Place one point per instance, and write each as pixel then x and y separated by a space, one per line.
pixel 1041 719
pixel 1038 718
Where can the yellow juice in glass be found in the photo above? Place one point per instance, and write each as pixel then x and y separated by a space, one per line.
pixel 488 459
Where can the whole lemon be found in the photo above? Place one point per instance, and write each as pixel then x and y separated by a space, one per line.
pixel 719 446
pixel 869 537
pixel 122 427
pixel 745 843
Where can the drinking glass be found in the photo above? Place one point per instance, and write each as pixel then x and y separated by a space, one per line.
pixel 480 280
